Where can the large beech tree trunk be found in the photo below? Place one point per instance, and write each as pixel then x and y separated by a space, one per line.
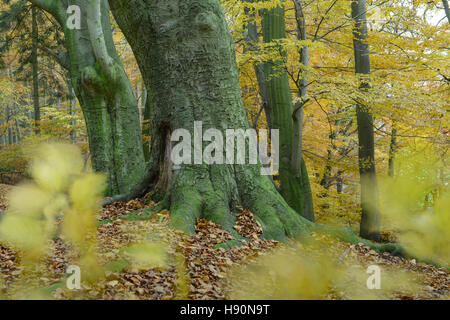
pixel 370 219
pixel 186 54
pixel 103 90
pixel 187 58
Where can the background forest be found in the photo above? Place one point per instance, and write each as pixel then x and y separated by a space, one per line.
pixel 309 56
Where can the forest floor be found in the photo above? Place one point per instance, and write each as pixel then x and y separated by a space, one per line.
pixel 206 272
pixel 4 189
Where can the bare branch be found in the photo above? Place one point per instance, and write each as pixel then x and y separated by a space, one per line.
pixel 323 17
pixel 61 57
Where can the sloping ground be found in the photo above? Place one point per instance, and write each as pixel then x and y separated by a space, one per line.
pixel 199 270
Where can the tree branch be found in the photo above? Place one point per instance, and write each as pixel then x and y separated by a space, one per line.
pixel 323 17
pixel 51 6
pixel 447 9
pixel 97 37
pixel 61 57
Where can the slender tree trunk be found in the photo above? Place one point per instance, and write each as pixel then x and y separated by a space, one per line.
pixel 10 130
pixel 15 109
pixel 447 9
pixel 34 63
pixel 2 134
pixel 298 165
pixel 18 131
pixel 339 182
pixel 297 141
pixel 370 220
pixel 72 105
pixel 104 92
pixel 327 178
pixel 253 40
pixel 146 130
pixel 294 179
pixel 392 151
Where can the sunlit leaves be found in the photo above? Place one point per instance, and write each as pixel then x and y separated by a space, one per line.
pixel 60 189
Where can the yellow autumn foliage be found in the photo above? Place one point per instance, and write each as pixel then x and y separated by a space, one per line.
pixel 60 189
pixel 417 205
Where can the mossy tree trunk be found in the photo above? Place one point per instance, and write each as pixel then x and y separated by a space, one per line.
pixel 34 64
pixel 252 40
pixel 103 90
pixel 294 180
pixel 72 105
pixel 370 219
pixel 195 78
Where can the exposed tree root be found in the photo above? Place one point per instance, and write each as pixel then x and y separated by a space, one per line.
pixel 150 175
pixel 138 190
pixel 347 235
pixel 213 192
